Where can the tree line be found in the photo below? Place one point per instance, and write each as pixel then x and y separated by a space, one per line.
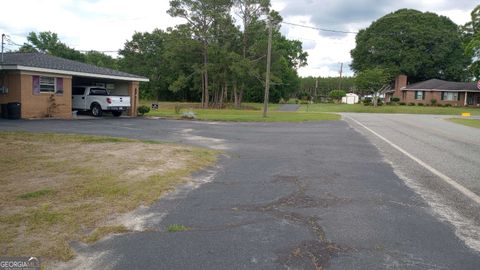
pixel 218 55
pixel 318 88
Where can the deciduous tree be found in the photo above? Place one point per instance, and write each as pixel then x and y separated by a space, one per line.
pixel 371 81
pixel 48 42
pixel 200 16
pixel 420 45
pixel 471 38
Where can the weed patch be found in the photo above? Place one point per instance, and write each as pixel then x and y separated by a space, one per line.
pixel 177 228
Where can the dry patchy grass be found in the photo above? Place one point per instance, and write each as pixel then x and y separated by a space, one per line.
pixel 59 188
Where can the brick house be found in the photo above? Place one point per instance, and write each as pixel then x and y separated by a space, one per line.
pixel 38 80
pixel 444 92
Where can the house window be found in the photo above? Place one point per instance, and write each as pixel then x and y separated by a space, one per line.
pixel 47 84
pixel 449 96
pixel 419 95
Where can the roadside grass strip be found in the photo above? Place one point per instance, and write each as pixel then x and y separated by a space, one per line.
pixel 249 116
pixel 475 123
pixel 360 108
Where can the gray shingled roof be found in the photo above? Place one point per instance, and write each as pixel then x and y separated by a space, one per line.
pixel 436 84
pixel 41 60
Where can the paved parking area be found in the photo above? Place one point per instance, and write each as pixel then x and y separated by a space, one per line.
pixel 285 195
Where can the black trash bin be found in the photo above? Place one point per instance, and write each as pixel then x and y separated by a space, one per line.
pixel 4 110
pixel 14 110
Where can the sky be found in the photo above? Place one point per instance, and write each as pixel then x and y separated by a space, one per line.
pixel 105 25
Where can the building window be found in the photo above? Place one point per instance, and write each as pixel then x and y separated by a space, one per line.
pixel 419 95
pixel 449 96
pixel 47 84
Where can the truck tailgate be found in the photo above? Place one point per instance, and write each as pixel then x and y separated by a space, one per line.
pixel 119 101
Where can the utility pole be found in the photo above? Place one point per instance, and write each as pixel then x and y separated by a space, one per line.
pixel 340 81
pixel 267 75
pixel 316 87
pixel 3 37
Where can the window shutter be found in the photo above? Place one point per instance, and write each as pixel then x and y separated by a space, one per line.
pixel 59 86
pixel 458 96
pixel 36 85
pixel 423 95
pixel 442 96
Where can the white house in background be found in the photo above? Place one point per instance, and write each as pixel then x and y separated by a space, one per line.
pixel 350 98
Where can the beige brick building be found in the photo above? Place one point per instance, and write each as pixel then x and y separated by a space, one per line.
pixel 42 83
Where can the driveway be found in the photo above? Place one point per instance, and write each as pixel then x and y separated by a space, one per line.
pixel 284 195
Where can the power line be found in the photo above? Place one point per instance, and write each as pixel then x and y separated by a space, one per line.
pixel 11 42
pixel 108 51
pixel 320 29
pixel 283 22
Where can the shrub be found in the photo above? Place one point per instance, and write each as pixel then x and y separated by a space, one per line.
pixel 282 101
pixel 420 104
pixel 367 101
pixel 303 95
pixel 433 102
pixel 402 103
pixel 439 105
pixel 411 104
pixel 337 95
pixel 395 99
pixel 189 115
pixel 448 105
pixel 143 110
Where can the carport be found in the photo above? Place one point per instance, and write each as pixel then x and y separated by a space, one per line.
pixel 42 83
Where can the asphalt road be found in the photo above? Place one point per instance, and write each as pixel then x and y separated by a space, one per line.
pixel 438 159
pixel 284 195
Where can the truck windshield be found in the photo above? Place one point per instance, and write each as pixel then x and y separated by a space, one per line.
pixel 98 92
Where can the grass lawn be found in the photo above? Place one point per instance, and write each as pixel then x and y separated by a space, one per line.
pixel 251 113
pixel 247 115
pixel 58 188
pixel 467 122
pixel 196 105
pixel 328 107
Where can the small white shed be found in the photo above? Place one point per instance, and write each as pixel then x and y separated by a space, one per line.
pixel 350 98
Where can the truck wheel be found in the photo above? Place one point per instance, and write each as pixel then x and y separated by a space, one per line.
pixel 96 110
pixel 117 113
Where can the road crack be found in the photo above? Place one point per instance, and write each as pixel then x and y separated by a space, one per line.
pixel 312 254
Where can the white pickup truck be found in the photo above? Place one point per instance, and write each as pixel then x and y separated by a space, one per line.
pixel 98 100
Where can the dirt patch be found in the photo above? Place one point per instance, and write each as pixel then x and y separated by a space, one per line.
pixel 61 188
